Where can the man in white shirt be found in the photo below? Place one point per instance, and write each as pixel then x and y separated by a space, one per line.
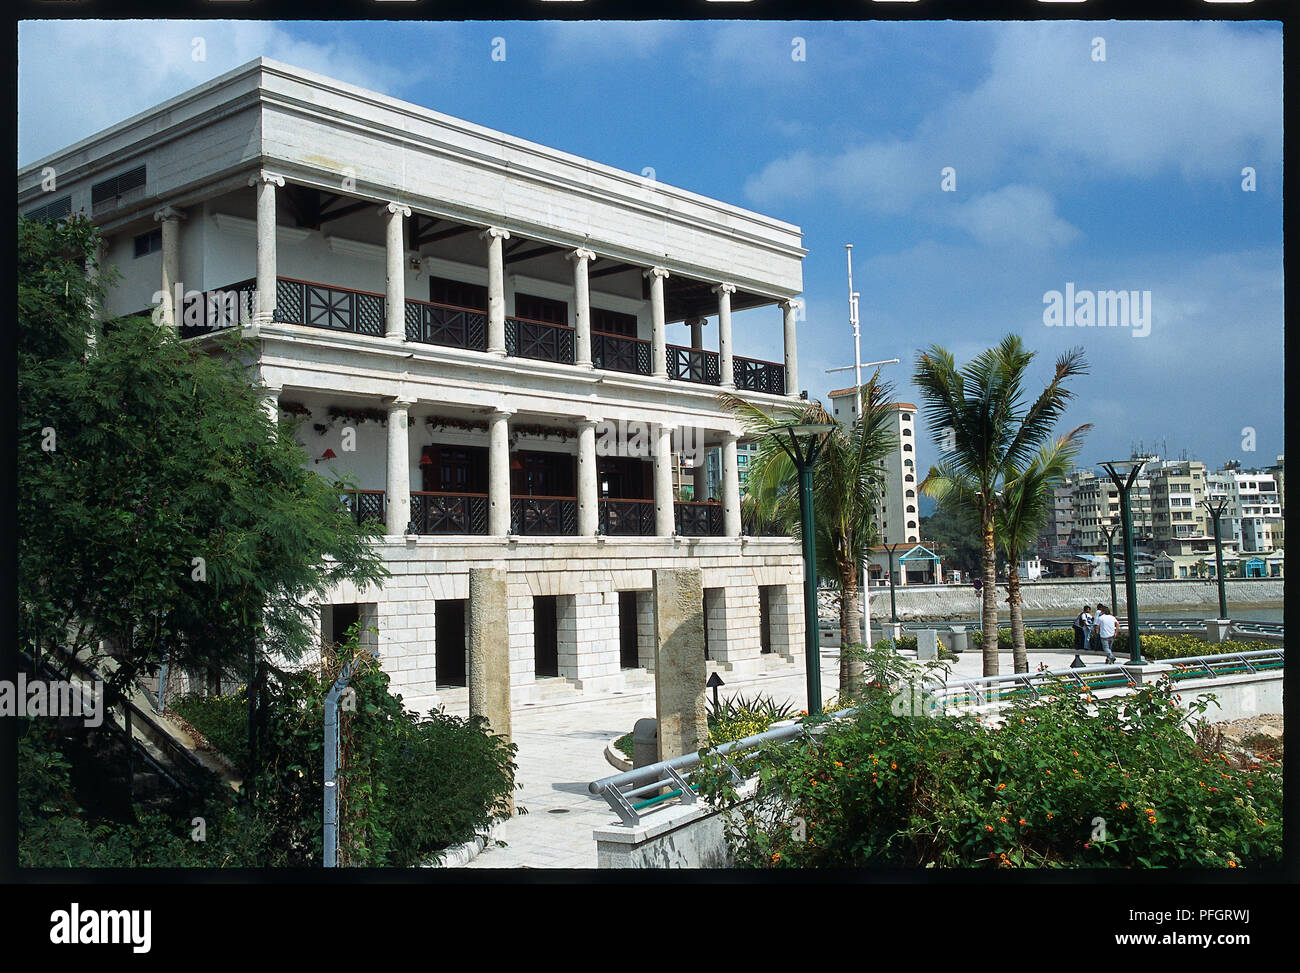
pixel 1107 627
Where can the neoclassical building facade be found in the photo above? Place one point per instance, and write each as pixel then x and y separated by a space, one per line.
pixel 472 332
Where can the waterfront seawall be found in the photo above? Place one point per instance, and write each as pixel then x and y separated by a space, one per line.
pixel 1065 598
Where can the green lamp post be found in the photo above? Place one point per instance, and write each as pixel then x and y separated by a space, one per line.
pixel 1110 562
pixel 802 443
pixel 1216 510
pixel 1117 470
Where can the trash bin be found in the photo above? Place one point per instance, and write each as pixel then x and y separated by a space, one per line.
pixel 958 639
pixel 645 742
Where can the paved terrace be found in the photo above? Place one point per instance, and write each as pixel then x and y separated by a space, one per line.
pixel 562 745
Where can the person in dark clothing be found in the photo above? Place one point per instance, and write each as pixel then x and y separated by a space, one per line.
pixel 1082 628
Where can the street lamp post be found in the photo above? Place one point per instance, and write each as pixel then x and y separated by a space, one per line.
pixel 1110 562
pixel 1216 511
pixel 1117 469
pixel 893 607
pixel 804 443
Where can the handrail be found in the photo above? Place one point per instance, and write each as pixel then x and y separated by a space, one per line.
pixel 549 324
pixel 446 493
pixel 617 789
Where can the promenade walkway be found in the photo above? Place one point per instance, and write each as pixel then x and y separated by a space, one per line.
pixel 561 750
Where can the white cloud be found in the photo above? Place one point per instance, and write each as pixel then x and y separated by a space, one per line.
pixel 1199 100
pixel 1014 216
pixel 132 65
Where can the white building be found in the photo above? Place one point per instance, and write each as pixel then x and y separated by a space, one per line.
pixel 898 514
pixel 486 335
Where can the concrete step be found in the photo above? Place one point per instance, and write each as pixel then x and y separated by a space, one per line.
pixel 556 687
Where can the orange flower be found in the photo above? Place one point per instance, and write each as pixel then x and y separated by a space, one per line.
pixel 1002 787
pixel 1151 810
pixel 988 827
pixel 1003 819
pixel 1049 815
pixel 1232 864
pixel 838 764
pixel 1123 805
pixel 1152 819
pixel 776 857
pixel 1022 820
pixel 893 766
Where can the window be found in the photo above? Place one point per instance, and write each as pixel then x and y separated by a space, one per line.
pixel 911 525
pixel 907 431
pixel 457 293
pixel 613 322
pixel 541 309
pixel 110 190
pixel 147 243
pixel 907 447
pixel 52 210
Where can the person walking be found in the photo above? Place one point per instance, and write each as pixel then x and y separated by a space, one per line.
pixel 1082 630
pixel 1107 627
pixel 1094 639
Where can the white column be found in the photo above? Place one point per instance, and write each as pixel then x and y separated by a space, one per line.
pixel 270 396
pixel 499 473
pixel 790 310
pixel 665 507
pixel 700 477
pixel 170 219
pixel 582 307
pixel 588 495
pixel 265 183
pixel 726 366
pixel 496 341
pixel 395 270
pixel 398 489
pixel 658 329
pixel 730 487
pixel 697 332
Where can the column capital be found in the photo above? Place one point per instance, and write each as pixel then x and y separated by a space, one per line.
pixel 394 209
pixel 791 303
pixel 402 402
pixel 583 423
pixel 582 253
pixel 729 437
pixel 264 175
pixel 494 232
pixel 655 272
pixel 700 318
pixel 723 288
pixel 169 213
pixel 270 390
pixel 502 413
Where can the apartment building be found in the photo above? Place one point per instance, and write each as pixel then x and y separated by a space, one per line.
pixel 1179 521
pixel 486 335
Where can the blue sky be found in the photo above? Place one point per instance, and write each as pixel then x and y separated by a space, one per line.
pixel 1123 173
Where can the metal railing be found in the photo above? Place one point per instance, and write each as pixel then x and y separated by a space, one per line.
pixel 697 519
pixel 544 515
pixel 634 792
pixel 364 505
pixel 627 517
pixel 617 353
pixel 449 513
pixel 753 375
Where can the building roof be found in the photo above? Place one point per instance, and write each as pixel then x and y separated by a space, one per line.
pixel 851 389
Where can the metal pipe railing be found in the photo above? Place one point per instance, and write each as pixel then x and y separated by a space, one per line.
pixel 619 790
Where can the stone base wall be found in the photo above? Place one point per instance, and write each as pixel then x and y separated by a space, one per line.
pixel 585 575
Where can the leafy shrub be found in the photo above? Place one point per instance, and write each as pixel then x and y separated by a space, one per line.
pixel 737 717
pixel 223 721
pixel 624 745
pixel 409 786
pixel 950 791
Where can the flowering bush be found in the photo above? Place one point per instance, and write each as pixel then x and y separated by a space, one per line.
pixel 1073 781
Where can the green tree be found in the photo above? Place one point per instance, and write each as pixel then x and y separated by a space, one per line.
pixel 955 536
pixel 848 480
pixel 1022 508
pixel 161 513
pixel 979 412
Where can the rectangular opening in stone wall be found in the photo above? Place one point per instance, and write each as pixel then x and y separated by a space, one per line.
pixel 715 618
pixel 766 594
pixel 628 631
pixel 341 618
pixel 546 641
pixel 449 639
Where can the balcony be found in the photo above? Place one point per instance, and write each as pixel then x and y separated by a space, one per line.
pixel 364 505
pixel 352 311
pixel 544 516
pixel 627 518
pixel 698 519
pixel 449 513
pixel 539 340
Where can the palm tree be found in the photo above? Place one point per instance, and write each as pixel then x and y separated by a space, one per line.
pixel 1023 506
pixel 979 412
pixel 848 482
